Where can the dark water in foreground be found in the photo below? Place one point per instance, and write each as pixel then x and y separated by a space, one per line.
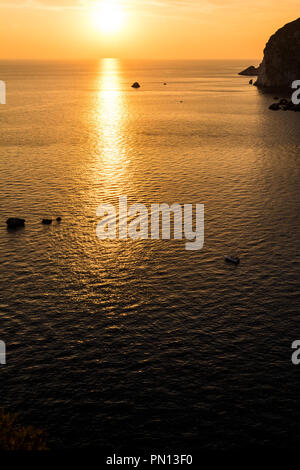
pixel 141 342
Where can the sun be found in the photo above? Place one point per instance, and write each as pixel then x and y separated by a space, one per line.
pixel 108 16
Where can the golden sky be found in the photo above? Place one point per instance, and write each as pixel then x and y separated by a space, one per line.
pixel 162 29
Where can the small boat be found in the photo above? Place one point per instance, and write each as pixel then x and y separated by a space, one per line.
pixel 232 259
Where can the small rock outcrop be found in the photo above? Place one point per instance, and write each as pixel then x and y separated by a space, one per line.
pixel 47 221
pixel 14 222
pixel 285 105
pixel 136 85
pixel 58 219
pixel 250 71
pixel 281 62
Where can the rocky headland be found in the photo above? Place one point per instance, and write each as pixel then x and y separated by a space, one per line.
pixel 281 62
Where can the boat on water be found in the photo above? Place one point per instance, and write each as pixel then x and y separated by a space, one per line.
pixel 232 259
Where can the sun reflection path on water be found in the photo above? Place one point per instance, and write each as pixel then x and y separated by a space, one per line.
pixel 111 121
pixel 111 173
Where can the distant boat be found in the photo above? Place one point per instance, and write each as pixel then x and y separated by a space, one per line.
pixel 232 259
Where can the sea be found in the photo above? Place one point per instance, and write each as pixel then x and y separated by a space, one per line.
pixel 141 343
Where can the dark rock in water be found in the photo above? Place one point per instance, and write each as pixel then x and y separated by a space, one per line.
pixel 14 222
pixel 285 105
pixel 275 107
pixel 164 83
pixel 136 85
pixel 47 221
pixel 281 62
pixel 250 71
pixel 58 219
pixel 251 82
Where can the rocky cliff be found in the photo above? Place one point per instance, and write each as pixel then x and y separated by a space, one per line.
pixel 281 63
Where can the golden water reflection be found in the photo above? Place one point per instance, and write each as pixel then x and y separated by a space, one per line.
pixel 111 121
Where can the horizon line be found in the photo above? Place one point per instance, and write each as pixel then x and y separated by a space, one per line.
pixel 94 59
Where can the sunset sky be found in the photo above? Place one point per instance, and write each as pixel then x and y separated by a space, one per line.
pixel 162 29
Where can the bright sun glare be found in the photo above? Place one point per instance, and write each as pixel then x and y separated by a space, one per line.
pixel 108 16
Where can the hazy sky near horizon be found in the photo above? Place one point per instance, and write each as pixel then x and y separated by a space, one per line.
pixel 162 29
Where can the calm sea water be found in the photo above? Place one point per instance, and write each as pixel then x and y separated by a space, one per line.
pixel 141 342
